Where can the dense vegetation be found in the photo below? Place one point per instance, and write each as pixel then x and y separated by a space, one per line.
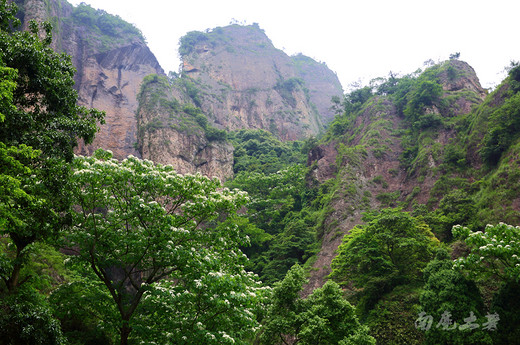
pixel 99 251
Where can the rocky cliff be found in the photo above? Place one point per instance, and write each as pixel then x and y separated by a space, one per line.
pixel 243 81
pixel 111 59
pixel 367 159
pixel 233 74
pixel 232 78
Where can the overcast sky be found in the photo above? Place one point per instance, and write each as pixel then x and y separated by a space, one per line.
pixel 359 40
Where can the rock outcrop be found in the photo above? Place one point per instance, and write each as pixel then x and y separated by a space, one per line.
pixel 367 163
pixel 234 74
pixel 232 78
pixel 240 80
pixel 111 59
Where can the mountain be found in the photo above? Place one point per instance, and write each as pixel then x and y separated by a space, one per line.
pixel 378 159
pixel 111 58
pixel 232 78
pixel 234 75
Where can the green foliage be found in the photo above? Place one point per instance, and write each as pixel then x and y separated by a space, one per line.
pixel 391 249
pixel 391 320
pixel 506 305
pixel 26 318
pixel 503 129
pixel 494 252
pixel 451 300
pixel 287 233
pixel 39 130
pixel 187 42
pixel 324 317
pixel 152 235
pixel 345 111
pixel 261 151
pixel 104 23
pixel 46 116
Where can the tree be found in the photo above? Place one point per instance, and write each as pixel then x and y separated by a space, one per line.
pixel 455 56
pixel 391 249
pixel 392 242
pixel 454 304
pixel 324 318
pixel 151 234
pixel 494 252
pixel 40 124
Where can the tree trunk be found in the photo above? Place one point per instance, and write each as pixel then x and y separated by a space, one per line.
pixel 125 332
pixel 14 279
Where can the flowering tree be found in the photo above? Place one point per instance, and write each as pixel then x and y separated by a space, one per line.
pixel 493 251
pixel 165 246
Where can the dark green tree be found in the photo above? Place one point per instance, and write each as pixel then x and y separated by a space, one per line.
pixel 455 305
pixel 40 123
pixel 323 318
pixel 41 113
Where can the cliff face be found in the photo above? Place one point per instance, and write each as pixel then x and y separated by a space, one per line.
pixel 233 74
pixel 243 81
pixel 232 78
pixel 322 83
pixel 111 59
pixel 367 160
pixel 173 131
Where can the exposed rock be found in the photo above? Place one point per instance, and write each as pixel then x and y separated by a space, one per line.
pixel 109 71
pixel 368 169
pixel 243 81
pixel 323 84
pixel 175 133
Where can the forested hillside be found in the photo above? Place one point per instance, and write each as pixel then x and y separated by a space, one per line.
pixel 397 222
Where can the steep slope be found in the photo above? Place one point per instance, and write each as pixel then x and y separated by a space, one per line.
pixel 322 83
pixel 111 58
pixel 389 149
pixel 173 131
pixel 232 78
pixel 245 82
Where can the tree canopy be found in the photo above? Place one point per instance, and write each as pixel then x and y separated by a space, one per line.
pixel 148 233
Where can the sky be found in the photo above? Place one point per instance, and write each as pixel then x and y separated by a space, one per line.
pixel 358 39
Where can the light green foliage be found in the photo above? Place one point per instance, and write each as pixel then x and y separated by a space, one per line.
pixel 494 251
pixel 393 242
pixel 145 230
pixel 324 317
pixel 261 151
pixel 390 250
pixel 7 86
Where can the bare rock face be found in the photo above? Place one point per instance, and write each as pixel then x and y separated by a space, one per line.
pixel 322 83
pixel 178 133
pixel 243 81
pixel 110 81
pixel 111 61
pixel 232 78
